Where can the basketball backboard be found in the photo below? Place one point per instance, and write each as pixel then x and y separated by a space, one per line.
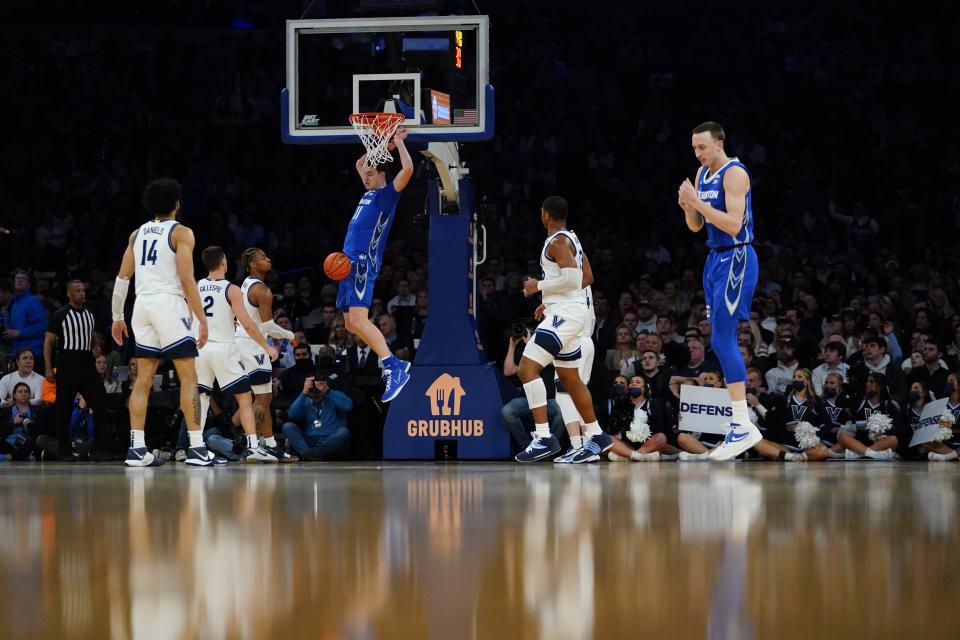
pixel 434 70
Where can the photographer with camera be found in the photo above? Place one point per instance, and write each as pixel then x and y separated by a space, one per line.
pixel 318 427
pixel 516 414
pixel 18 426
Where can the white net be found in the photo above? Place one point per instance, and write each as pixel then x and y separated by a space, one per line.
pixel 375 131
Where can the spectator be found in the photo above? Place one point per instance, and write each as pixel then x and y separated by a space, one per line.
pixel 101 346
pixel 24 374
pixel 110 385
pixel 624 349
pixel 646 318
pixel 667 329
pixel 290 303
pixel 799 405
pixel 781 375
pixel 833 355
pixel 291 380
pixel 933 371
pixel 339 337
pixel 283 346
pixel 657 376
pixel 876 360
pixel 28 319
pixel 698 362
pixel 396 342
pixel 18 424
pixel 419 321
pixel 404 297
pixel 318 421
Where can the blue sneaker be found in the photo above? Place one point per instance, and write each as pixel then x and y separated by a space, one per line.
pixel 539 449
pixel 567 457
pixel 203 457
pixel 395 378
pixel 141 457
pixel 592 449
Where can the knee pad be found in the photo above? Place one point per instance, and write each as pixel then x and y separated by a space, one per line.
pixel 536 393
pixel 568 410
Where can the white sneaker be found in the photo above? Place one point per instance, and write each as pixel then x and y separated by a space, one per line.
pixel 686 456
pixel 648 457
pixel 851 455
pixel 795 457
pixel 612 457
pixel 740 438
pixel 942 457
pixel 886 454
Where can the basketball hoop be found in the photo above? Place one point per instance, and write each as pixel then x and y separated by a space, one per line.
pixel 375 131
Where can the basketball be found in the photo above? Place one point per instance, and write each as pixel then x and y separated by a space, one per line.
pixel 337 266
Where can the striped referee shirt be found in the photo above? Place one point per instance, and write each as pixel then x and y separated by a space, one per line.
pixel 73 328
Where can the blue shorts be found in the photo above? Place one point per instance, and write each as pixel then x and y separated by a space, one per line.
pixel 356 290
pixel 729 281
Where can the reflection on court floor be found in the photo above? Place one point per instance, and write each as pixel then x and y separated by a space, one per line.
pixel 480 551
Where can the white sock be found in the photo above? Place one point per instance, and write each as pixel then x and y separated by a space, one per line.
pixel 576 441
pixel 136 439
pixel 543 431
pixel 271 441
pixel 593 428
pixel 253 442
pixel 196 438
pixel 645 457
pixel 740 415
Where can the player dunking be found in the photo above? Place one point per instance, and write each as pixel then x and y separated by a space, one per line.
pixel 258 303
pixel 364 244
pixel 558 338
pixel 160 255
pixel 722 201
pixel 220 359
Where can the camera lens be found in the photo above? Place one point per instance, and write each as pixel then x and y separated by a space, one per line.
pixel 518 329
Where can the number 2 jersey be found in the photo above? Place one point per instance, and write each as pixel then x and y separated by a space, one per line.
pixel 155 259
pixel 216 306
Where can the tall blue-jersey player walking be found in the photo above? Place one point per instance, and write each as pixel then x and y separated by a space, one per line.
pixel 364 245
pixel 722 201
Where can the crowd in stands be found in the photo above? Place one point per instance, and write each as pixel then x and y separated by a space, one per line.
pixel 857 210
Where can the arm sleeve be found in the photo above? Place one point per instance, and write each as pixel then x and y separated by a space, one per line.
pixel 274 330
pixel 569 280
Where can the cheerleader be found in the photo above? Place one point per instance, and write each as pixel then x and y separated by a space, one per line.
pixel 649 437
pixel 837 413
pixel 795 423
pixel 879 429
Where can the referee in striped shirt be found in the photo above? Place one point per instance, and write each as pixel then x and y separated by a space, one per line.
pixel 71 329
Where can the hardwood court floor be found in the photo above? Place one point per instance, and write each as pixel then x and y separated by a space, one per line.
pixel 361 551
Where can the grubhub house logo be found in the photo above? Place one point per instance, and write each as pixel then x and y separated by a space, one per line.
pixel 444 398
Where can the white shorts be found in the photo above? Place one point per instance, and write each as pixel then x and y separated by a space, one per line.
pixel 162 327
pixel 221 361
pixel 257 364
pixel 587 350
pixel 557 338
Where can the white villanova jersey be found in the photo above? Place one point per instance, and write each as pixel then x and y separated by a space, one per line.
pixel 551 271
pixel 251 310
pixel 155 260
pixel 216 306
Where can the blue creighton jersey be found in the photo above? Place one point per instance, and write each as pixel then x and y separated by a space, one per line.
pixel 367 233
pixel 710 190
